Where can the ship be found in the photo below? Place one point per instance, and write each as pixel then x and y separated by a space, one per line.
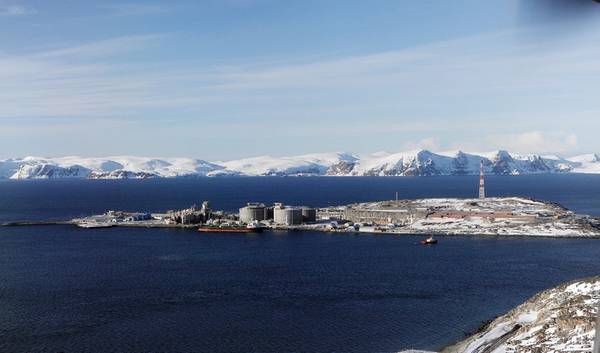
pixel 250 228
pixel 429 241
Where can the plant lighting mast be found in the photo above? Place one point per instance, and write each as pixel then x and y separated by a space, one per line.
pixel 481 181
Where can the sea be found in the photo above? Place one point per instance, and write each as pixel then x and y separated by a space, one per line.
pixel 65 289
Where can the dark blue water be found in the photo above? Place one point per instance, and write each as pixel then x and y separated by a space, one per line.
pixel 159 290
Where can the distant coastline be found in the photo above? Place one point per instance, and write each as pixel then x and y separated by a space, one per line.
pixel 410 163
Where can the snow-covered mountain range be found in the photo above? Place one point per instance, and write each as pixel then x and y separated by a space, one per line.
pixel 411 163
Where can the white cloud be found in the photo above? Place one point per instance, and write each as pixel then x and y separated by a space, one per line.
pixel 535 142
pixel 401 95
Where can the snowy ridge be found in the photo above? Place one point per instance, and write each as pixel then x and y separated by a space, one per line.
pixel 120 167
pixel 309 164
pixel 587 163
pixel 409 163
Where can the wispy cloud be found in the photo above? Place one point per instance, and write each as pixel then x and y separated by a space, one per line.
pixel 135 9
pixel 390 80
pixel 107 47
pixel 14 10
pixel 418 94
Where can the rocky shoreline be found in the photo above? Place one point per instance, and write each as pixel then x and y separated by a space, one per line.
pixel 556 320
pixel 561 319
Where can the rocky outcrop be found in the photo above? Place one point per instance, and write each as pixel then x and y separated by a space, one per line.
pixel 341 168
pixel 561 319
pixel 122 174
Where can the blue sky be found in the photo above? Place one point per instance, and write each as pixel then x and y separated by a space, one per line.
pixel 237 78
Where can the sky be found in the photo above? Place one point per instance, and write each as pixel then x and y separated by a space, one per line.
pixel 227 79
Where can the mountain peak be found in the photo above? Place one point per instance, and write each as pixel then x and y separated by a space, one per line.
pixel 502 154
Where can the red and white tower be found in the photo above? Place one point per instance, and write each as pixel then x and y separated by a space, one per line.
pixel 481 181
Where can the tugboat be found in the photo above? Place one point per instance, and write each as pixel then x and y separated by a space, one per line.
pixel 429 241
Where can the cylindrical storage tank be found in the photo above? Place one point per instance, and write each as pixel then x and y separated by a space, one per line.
pixel 268 213
pixel 309 215
pixel 279 215
pixel 252 212
pixel 287 215
pixel 294 216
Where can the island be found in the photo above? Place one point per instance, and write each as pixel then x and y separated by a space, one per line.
pixel 488 216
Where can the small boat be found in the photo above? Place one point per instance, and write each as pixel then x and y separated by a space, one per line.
pixel 429 241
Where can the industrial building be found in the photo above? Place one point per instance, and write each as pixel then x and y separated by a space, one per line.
pixel 386 212
pixel 134 217
pixel 331 213
pixel 191 215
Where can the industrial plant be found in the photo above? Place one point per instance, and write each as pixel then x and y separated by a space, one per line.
pixel 278 214
pixel 192 215
pixel 482 215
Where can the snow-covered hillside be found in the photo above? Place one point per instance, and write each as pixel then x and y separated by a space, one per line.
pixel 120 167
pixel 309 164
pixel 410 163
pixel 587 163
pixel 561 319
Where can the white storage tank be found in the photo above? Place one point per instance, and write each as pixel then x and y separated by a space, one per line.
pixel 287 215
pixel 253 211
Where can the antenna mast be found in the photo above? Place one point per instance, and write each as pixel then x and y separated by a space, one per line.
pixel 481 181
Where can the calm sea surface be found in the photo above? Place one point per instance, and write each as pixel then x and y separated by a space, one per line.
pixel 161 290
